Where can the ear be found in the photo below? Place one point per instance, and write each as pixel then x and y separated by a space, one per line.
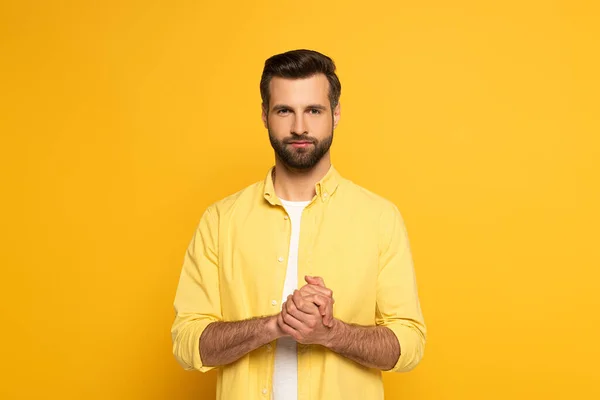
pixel 336 114
pixel 264 115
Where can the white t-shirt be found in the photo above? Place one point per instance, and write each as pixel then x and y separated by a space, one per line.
pixel 285 374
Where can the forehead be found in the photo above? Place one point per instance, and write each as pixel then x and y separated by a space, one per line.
pixel 312 90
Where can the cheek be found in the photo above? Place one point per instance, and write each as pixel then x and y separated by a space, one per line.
pixel 279 125
pixel 321 127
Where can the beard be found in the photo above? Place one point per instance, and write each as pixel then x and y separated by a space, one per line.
pixel 300 158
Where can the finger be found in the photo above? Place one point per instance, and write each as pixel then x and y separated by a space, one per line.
pixel 321 301
pixel 290 319
pixel 315 280
pixel 303 305
pixel 318 289
pixel 325 307
pixel 286 329
pixel 299 308
pixel 307 322
pixel 303 325
pixel 280 322
pixel 292 310
pixel 310 289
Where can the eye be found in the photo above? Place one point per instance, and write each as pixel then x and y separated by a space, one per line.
pixel 283 111
pixel 314 111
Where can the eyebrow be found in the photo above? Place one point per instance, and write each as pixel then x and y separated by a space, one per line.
pixel 278 107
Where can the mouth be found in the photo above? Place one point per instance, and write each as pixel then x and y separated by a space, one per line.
pixel 300 144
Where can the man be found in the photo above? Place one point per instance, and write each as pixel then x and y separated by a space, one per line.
pixel 237 304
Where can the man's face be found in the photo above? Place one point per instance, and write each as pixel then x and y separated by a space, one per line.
pixel 300 120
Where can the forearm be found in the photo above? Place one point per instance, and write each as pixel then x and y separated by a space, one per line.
pixel 225 342
pixel 371 346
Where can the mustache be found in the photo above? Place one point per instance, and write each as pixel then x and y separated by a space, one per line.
pixel 300 139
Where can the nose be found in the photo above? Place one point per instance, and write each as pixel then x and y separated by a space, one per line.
pixel 299 125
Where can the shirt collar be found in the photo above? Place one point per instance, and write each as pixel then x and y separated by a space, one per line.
pixel 324 188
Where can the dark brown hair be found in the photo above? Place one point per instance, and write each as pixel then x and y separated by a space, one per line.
pixel 298 64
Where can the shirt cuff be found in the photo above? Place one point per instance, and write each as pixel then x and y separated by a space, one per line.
pixel 412 344
pixel 190 341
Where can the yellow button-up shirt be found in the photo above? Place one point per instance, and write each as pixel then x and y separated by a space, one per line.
pixel 235 267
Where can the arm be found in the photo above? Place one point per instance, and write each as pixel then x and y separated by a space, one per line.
pixel 201 340
pixel 371 346
pixel 225 342
pixel 197 300
pixel 397 341
pixel 398 307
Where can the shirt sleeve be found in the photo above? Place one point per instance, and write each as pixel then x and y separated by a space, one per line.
pixel 398 305
pixel 197 300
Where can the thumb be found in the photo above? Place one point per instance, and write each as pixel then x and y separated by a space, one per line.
pixel 315 280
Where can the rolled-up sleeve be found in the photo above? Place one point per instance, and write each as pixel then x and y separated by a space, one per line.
pixel 197 300
pixel 398 306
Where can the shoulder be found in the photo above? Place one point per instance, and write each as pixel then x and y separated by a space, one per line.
pixel 363 197
pixel 248 195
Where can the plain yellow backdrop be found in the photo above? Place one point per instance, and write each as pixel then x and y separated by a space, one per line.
pixel 121 121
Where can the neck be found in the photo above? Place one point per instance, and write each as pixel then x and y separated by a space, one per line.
pixel 298 185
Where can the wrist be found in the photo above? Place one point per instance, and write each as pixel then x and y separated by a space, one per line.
pixel 335 332
pixel 272 328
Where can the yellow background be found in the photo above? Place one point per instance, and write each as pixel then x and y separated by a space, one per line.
pixel 121 121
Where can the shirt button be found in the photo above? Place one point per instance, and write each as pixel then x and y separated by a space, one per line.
pixel 269 347
pixel 286 217
pixel 324 194
pixel 273 302
pixel 280 259
pixel 264 391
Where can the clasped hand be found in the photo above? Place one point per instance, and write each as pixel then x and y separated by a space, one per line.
pixel 307 315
